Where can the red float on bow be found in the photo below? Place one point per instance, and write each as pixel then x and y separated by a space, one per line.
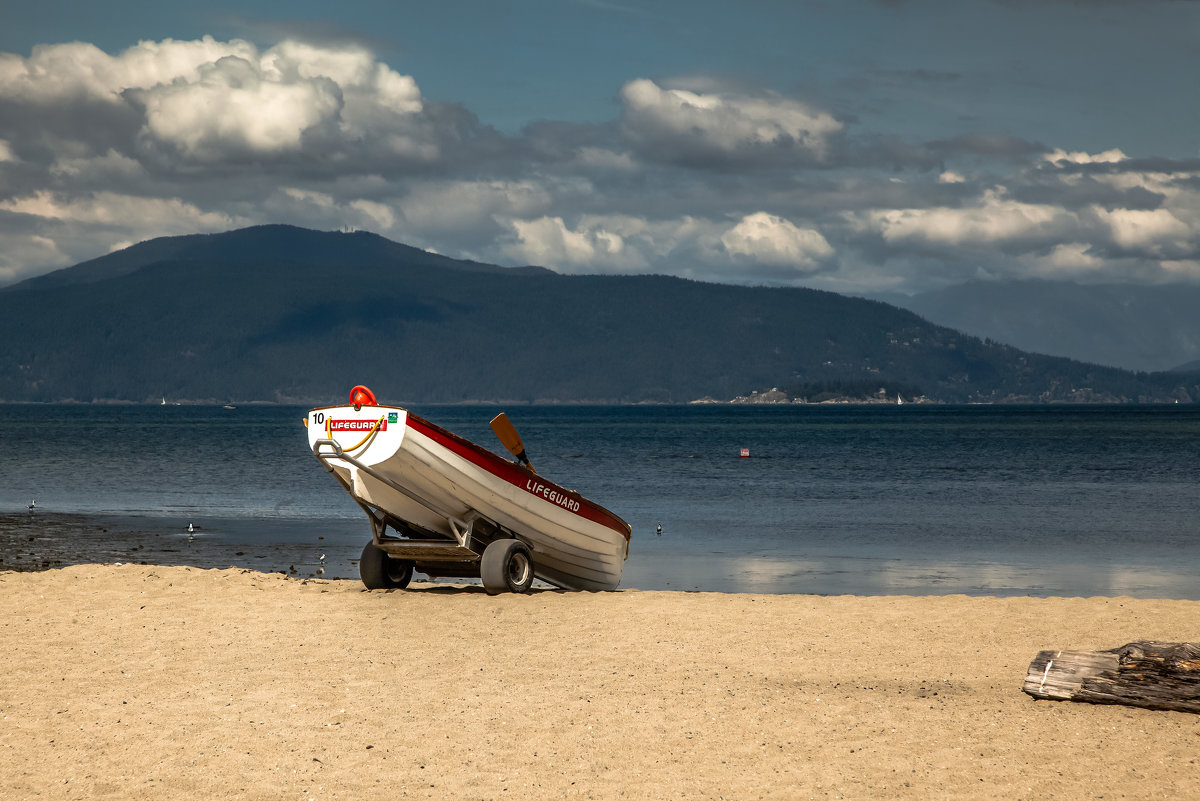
pixel 360 396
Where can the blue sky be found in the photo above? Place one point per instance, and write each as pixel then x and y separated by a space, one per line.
pixel 861 146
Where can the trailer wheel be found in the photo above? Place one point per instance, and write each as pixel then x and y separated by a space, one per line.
pixel 506 566
pixel 381 572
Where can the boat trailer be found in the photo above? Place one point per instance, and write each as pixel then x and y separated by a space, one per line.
pixel 481 548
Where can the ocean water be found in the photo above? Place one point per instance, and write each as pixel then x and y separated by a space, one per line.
pixel 983 500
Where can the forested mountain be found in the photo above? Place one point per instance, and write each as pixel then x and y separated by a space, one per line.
pixel 276 313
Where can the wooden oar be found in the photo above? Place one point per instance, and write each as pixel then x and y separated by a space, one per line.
pixel 512 440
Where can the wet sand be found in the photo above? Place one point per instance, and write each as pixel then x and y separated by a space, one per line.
pixel 44 539
pixel 143 681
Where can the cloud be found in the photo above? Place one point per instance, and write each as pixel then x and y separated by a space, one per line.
pixel 770 240
pixel 1182 269
pixel 46 228
pixel 618 243
pixel 992 220
pixel 547 240
pixel 723 128
pixel 1055 222
pixel 100 170
pixel 1153 233
pixel 759 246
pixel 697 177
pixel 69 72
pixel 23 247
pixel 987 144
pixel 1080 157
pixel 1065 260
pixel 181 104
pixel 449 206
pixel 231 110
pixel 108 208
pixel 171 136
pixel 293 98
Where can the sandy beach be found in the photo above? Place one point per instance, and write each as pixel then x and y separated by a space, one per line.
pixel 135 681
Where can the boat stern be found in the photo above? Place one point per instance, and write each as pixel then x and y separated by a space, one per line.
pixel 371 434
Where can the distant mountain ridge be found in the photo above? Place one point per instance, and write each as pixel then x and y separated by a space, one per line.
pixel 284 314
pixel 252 246
pixel 1122 325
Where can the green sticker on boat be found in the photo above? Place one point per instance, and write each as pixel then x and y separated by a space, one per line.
pixel 392 417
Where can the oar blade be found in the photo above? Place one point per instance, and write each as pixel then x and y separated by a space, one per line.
pixel 507 433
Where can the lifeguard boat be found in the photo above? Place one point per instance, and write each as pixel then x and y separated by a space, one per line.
pixel 443 506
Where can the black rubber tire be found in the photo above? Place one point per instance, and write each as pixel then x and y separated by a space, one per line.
pixel 381 572
pixel 506 566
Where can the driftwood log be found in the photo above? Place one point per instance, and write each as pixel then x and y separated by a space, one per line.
pixel 1153 675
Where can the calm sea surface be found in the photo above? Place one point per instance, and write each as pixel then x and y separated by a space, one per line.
pixel 984 500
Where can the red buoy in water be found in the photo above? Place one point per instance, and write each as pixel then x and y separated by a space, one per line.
pixel 360 396
pixel 745 454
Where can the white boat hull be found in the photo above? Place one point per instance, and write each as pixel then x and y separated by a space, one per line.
pixel 440 483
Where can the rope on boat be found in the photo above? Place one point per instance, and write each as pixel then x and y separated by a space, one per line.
pixel 374 430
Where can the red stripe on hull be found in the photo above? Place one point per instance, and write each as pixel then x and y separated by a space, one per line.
pixel 520 477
